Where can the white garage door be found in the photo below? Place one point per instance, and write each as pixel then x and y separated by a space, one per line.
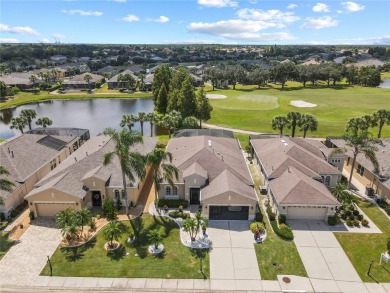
pixel 51 209
pixel 306 213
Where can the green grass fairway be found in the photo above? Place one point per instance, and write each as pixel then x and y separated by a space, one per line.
pixel 362 248
pixel 91 260
pixel 251 108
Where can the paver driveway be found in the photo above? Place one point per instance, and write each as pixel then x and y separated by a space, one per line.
pixel 321 253
pixel 232 256
pixel 25 260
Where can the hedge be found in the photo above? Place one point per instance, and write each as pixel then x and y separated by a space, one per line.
pixel 172 203
pixel 333 220
pixel 179 215
pixel 283 231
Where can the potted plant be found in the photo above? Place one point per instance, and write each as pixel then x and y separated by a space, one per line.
pixel 180 208
pixel 166 208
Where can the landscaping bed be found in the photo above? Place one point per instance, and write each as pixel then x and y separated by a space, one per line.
pixel 131 260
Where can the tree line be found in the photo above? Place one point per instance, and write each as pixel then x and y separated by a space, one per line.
pixel 378 119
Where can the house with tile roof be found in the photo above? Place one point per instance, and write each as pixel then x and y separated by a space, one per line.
pixel 212 173
pixel 31 156
pixel 78 81
pixel 297 175
pixel 113 82
pixel 82 181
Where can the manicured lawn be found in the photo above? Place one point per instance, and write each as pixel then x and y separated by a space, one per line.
pixel 276 256
pixel 5 244
pixel 362 248
pixel 92 260
pixel 251 108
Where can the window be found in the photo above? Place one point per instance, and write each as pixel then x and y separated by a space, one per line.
pixel 327 180
pixel 53 164
pixel 168 190
pixel 174 191
pixel 360 170
pixel 116 193
pixel 123 194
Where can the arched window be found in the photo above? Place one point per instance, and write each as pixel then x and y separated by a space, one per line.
pixel 174 190
pixel 116 193
pixel 323 179
pixel 327 180
pixel 123 194
pixel 168 190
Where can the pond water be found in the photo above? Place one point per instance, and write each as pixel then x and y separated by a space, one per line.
pixel 385 84
pixel 92 114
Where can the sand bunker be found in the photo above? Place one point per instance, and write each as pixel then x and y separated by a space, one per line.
pixel 216 97
pixel 302 104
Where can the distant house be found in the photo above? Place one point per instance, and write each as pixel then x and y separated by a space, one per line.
pixel 109 70
pixel 82 180
pixel 113 81
pixel 136 70
pixel 79 82
pixel 20 80
pixel 148 81
pixel 58 58
pixel 196 80
pixel 31 156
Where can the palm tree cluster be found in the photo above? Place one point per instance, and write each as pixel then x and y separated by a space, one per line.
pixel 26 117
pixel 305 122
pixel 72 223
pixel 193 225
pixel 378 119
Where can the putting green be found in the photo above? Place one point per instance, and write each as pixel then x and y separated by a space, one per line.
pixel 250 102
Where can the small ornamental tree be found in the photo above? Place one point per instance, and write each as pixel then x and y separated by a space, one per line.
pixel 113 232
pixel 109 209
pixel 155 238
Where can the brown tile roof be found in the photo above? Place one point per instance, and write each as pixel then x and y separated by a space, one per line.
pixel 227 182
pixel 195 168
pixel 294 187
pixel 79 79
pixel 115 78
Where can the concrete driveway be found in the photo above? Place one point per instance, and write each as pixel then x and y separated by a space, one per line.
pixel 233 255
pixel 25 260
pixel 321 253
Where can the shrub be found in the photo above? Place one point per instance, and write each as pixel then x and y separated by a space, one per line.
pixel 253 226
pixel 282 219
pixel 109 209
pixel 2 216
pixel 180 208
pixel 259 217
pixel 356 222
pixel 349 223
pixel 182 215
pixel 283 231
pixel 355 212
pixel 118 204
pixel 98 216
pixel 270 213
pixel 360 217
pixel 364 222
pixel 54 87
pixel 351 217
pixel 93 224
pixel 3 225
pixel 333 221
pixel 343 216
pixel 172 203
pixel 387 210
pixel 31 215
pixel 348 213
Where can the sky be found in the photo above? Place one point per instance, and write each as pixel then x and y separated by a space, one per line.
pixel 196 21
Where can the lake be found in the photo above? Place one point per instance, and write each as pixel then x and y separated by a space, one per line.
pixel 385 84
pixel 92 114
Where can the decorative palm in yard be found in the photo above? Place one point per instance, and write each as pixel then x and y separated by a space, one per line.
pixel 113 231
pixel 132 163
pixel 83 217
pixel 155 238
pixel 29 115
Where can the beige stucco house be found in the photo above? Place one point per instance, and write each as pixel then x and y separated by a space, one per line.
pixel 82 181
pixel 297 174
pixel 31 156
pixel 213 174
pixel 364 172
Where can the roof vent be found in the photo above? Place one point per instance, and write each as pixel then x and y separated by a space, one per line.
pixel 75 159
pixel 209 143
pixel 12 154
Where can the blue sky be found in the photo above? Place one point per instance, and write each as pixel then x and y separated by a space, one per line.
pixel 196 21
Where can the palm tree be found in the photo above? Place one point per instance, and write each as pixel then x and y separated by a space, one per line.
pixel 5 184
pixel 171 121
pixel 155 238
pixel 361 142
pixel 293 119
pixel 152 118
pixel 112 232
pixel 29 115
pixel 161 171
pixel 142 117
pixel 128 120
pixel 380 118
pixel 141 77
pixel 88 78
pixel 33 78
pixel 356 124
pixel 306 123
pixel 200 221
pixel 65 221
pixel 60 83
pixel 189 225
pixel 279 122
pixel 18 123
pixel 83 217
pixel 119 80
pixel 132 163
pixel 44 121
pixel 342 195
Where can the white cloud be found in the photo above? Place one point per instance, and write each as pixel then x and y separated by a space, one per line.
pixel 292 6
pixel 352 6
pixel 160 19
pixel 321 7
pixel 385 40
pixel 45 40
pixel 6 40
pixel 218 3
pixel 259 37
pixel 22 30
pixel 82 12
pixel 190 41
pixel 319 23
pixel 130 18
pixel 265 15
pixel 58 36
pixel 339 11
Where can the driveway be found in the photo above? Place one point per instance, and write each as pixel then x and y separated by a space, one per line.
pixel 25 260
pixel 233 255
pixel 321 253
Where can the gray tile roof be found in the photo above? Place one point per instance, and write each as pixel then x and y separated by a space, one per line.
pixel 115 78
pixel 79 79
pixel 195 168
pixel 295 188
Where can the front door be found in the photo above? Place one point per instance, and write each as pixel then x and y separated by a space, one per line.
pixel 96 199
pixel 194 195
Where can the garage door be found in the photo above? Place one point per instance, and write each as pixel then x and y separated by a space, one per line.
pixel 51 209
pixel 303 213
pixel 228 213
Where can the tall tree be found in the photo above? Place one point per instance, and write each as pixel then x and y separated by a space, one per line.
pixel 306 123
pixel 152 118
pixel 5 184
pixel 212 74
pixel 142 117
pixel 171 121
pixel 119 81
pixel 293 119
pixel 380 118
pixel 132 162
pixel 44 122
pixel 163 170
pixel 128 120
pixel 18 123
pixel 259 76
pixel 178 77
pixel 284 72
pixel 187 103
pixel 174 100
pixel 203 107
pixel 161 76
pixel 129 80
pixel 279 123
pixel 356 124
pixel 162 100
pixel 29 115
